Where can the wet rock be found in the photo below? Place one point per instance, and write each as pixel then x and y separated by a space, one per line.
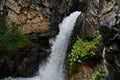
pixel 23 63
pixel 110 21
pixel 88 20
pixel 105 16
pixel 111 50
pixel 94 14
pixel 2 64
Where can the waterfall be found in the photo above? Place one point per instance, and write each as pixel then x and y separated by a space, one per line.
pixel 54 68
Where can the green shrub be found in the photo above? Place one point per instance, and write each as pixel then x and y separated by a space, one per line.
pixel 99 75
pixel 12 38
pixel 83 48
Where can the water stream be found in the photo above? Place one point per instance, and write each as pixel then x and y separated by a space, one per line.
pixel 54 68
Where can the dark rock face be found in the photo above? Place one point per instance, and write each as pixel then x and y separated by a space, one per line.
pixel 94 14
pixel 103 15
pixel 111 54
pixel 88 20
pixel 23 63
pixel 110 31
pixel 39 19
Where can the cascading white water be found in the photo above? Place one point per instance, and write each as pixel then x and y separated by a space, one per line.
pixel 54 68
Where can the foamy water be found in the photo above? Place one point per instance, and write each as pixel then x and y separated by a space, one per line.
pixel 54 68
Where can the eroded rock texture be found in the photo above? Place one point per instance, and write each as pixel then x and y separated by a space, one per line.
pixel 38 20
pixel 94 14
pixel 111 40
pixel 89 19
pixel 103 15
pixel 110 21
pixel 109 30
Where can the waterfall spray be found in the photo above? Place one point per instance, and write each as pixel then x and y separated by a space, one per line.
pixel 54 68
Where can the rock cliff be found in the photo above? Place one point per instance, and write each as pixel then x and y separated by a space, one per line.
pixel 37 20
pixel 101 15
pixel 111 36
pixel 94 14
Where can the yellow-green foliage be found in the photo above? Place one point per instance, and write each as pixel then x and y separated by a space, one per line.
pixel 83 48
pixel 99 75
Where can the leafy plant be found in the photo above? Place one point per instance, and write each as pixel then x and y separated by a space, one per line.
pixel 99 75
pixel 12 38
pixel 84 49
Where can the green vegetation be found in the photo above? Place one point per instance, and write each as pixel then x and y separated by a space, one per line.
pixel 12 39
pixel 83 49
pixel 99 75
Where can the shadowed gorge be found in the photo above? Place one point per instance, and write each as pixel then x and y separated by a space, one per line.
pixel 38 41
